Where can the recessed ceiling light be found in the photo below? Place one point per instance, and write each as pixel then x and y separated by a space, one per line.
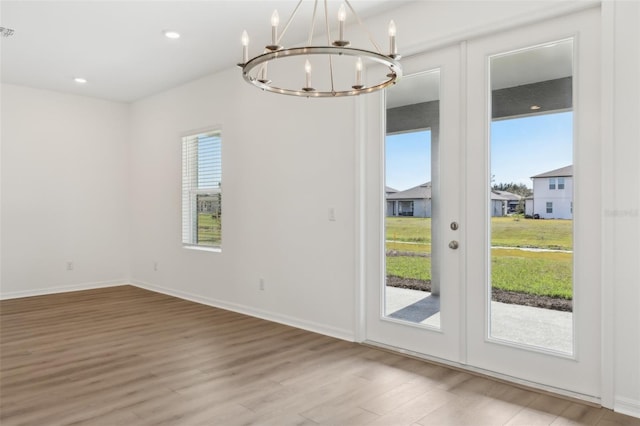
pixel 80 80
pixel 171 34
pixel 535 107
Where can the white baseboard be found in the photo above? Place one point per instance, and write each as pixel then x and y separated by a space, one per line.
pixel 62 289
pixel 627 406
pixel 251 311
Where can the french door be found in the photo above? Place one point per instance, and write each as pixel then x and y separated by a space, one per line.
pixel 496 265
pixel 431 82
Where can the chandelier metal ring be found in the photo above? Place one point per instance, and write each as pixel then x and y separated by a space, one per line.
pixel 395 69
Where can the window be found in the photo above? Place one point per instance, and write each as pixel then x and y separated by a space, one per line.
pixel 561 183
pixel 552 183
pixel 549 207
pixel 406 208
pixel 202 190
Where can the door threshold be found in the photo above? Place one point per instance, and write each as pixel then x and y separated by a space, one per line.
pixel 502 378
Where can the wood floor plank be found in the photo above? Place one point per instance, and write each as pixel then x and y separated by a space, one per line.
pixel 127 356
pixel 543 410
pixel 610 418
pixel 415 409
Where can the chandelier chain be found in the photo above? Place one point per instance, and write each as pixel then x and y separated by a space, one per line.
pixel 313 22
pixel 364 27
pixel 326 20
pixel 286 27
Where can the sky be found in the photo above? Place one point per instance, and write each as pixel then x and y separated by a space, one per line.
pixel 520 148
pixel 408 159
pixel 209 161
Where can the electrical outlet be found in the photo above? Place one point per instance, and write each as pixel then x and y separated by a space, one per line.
pixel 332 214
pixel 69 266
pixel 261 284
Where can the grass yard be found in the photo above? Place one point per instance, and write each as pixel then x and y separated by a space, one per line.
pixel 409 267
pixel 410 247
pixel 541 273
pixel 209 230
pixel 409 229
pixel 556 234
pixel 538 273
pixel 505 232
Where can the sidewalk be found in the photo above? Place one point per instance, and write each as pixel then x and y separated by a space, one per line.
pixel 545 328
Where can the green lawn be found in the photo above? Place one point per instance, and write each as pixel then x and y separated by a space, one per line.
pixel 209 230
pixel 554 234
pixel 412 247
pixel 413 229
pixel 409 267
pixel 505 232
pixel 541 273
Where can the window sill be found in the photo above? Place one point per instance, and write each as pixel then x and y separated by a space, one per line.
pixel 203 248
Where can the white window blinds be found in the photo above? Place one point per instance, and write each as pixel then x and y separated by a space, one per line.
pixel 202 189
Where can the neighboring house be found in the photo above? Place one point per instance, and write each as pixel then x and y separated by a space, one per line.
pixel 552 194
pixel 528 206
pixel 414 201
pixel 209 204
pixel 388 191
pixel 503 202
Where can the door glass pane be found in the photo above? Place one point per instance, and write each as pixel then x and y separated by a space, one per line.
pixel 531 197
pixel 412 289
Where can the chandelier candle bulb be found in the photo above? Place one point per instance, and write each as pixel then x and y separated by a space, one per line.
pixel 392 38
pixel 245 47
pixel 263 73
pixel 359 72
pixel 275 21
pixel 342 15
pixel 307 69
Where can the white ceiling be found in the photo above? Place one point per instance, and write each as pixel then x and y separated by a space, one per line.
pixel 414 89
pixel 541 63
pixel 119 46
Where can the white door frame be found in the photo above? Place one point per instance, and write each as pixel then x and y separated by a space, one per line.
pixel 365 116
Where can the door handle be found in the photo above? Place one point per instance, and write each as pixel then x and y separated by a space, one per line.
pixel 454 245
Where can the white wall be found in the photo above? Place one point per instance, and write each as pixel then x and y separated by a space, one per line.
pixel 622 216
pixel 286 161
pixel 64 192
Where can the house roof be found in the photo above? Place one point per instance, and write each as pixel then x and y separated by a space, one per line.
pixel 424 191
pixel 561 172
pixel 389 189
pixel 420 191
pixel 504 195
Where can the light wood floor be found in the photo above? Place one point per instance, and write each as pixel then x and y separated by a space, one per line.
pixel 126 356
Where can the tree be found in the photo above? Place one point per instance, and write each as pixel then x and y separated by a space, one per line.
pixel 515 188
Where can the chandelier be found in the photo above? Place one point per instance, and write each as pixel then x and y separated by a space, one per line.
pixel 336 68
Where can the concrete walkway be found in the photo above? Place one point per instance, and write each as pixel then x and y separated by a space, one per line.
pixel 527 325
